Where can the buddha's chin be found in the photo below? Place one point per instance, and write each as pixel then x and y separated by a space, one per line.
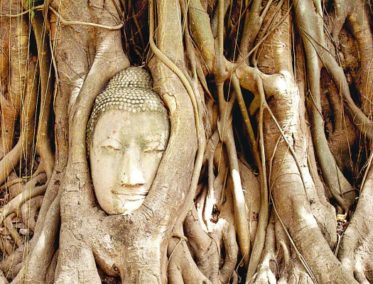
pixel 125 205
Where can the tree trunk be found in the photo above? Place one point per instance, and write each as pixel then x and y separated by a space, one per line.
pixel 266 176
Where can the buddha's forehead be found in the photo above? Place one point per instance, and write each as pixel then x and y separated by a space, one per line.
pixel 123 125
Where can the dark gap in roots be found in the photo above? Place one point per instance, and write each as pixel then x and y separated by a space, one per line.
pixel 360 154
pixel 32 44
pixel 106 279
pixel 4 196
pixel 355 94
pixel 211 84
pixel 328 7
pixel 241 270
pixel 135 33
pixel 51 128
pixel 234 23
pixel 241 136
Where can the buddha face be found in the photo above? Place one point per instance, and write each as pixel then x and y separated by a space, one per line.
pixel 125 153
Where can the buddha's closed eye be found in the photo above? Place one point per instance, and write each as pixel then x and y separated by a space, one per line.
pixel 156 150
pixel 111 145
pixel 154 146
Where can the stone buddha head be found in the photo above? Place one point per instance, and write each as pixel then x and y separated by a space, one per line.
pixel 126 136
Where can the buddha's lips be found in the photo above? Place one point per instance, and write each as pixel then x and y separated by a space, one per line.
pixel 133 194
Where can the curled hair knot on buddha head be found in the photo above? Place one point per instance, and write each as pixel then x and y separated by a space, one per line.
pixel 129 90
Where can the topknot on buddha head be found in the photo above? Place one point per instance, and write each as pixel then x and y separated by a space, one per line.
pixel 129 90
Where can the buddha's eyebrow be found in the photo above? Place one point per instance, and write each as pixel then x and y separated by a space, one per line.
pixel 110 139
pixel 155 138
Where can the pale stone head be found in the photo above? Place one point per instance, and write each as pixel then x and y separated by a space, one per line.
pixel 126 136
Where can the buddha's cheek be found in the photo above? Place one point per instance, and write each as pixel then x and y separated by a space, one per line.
pixel 150 163
pixel 104 170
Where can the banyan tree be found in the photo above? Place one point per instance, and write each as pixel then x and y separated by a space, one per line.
pixel 190 141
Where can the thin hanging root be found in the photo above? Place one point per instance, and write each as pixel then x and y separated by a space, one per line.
pixel 31 190
pixel 89 24
pixel 9 115
pixel 12 231
pixel 18 47
pixel 24 143
pixel 220 182
pixel 215 18
pixel 34 8
pixel 42 141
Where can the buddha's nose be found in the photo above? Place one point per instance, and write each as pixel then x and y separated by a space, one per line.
pixel 131 172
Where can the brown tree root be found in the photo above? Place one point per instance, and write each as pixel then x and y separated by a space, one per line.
pixel 267 269
pixel 23 146
pixel 13 263
pixel 211 231
pixel 3 280
pixel 150 270
pixel 356 253
pixel 342 133
pixel 293 190
pixel 355 14
pixel 181 267
pixel 42 248
pixel 206 247
pixel 311 25
pixel 15 56
pixel 8 222
pixel 203 247
pixel 303 229
pixel 29 210
pixel 31 190
pixel 43 146
pixel 361 121
pixel 49 278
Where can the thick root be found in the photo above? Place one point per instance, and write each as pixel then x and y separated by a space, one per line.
pixel 181 267
pixel 29 211
pixel 356 253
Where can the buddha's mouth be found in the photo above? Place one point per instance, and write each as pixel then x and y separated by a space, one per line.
pixel 132 194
